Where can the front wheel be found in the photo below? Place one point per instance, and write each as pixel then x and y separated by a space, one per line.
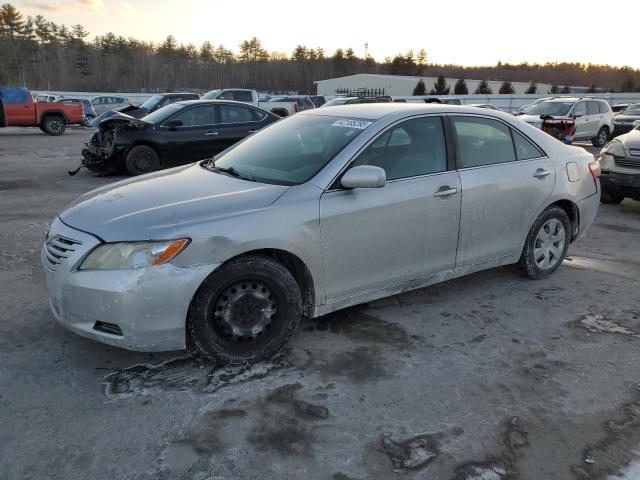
pixel 53 125
pixel 142 159
pixel 246 311
pixel 601 138
pixel 546 244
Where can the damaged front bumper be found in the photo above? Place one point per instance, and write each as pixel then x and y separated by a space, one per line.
pixel 142 309
pixel 102 155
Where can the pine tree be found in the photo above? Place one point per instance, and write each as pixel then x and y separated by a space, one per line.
pixel 440 87
pixel 483 88
pixel 461 88
pixel 554 89
pixel 421 88
pixel 506 89
pixel 533 88
pixel 628 85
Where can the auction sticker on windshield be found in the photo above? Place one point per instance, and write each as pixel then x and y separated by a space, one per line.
pixel 351 123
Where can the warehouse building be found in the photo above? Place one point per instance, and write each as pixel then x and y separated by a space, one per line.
pixel 400 85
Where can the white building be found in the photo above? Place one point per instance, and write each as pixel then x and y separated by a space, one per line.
pixel 401 85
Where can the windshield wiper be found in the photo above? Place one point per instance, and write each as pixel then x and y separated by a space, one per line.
pixel 231 171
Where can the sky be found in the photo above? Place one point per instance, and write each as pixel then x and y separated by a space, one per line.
pixel 466 32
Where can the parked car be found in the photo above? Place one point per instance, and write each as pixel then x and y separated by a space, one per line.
pixel 284 106
pixel 243 95
pixel 21 111
pixel 89 111
pixel 619 107
pixel 178 133
pixel 593 117
pixel 623 121
pixel 105 103
pixel 317 212
pixel 318 100
pixel 356 100
pixel 620 164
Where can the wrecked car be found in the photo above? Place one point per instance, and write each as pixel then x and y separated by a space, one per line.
pixel 320 211
pixel 178 133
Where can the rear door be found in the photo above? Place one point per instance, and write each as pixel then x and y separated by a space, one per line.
pixel 594 118
pixel 235 123
pixel 405 231
pixel 505 179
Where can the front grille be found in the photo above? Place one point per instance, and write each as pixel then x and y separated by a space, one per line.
pixel 627 162
pixel 57 249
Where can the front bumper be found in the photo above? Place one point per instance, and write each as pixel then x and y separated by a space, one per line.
pixel 96 161
pixel 149 305
pixel 624 184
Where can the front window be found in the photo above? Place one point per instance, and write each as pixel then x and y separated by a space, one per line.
pixel 293 150
pixel 552 108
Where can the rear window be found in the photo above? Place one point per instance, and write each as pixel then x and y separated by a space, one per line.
pixel 246 97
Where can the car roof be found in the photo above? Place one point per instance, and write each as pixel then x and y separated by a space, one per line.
pixel 375 111
pixel 213 102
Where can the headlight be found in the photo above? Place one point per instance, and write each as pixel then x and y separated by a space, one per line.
pixel 608 154
pixel 109 256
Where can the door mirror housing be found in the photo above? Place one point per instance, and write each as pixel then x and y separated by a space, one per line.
pixel 174 123
pixel 364 176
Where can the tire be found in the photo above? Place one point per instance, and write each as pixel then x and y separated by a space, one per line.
pixel 142 159
pixel 546 244
pixel 610 198
pixel 245 311
pixel 53 125
pixel 601 138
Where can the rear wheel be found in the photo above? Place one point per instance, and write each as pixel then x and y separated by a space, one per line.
pixel 53 125
pixel 602 137
pixel 246 311
pixel 142 159
pixel 609 197
pixel 547 243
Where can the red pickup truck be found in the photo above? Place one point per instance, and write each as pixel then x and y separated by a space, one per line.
pixel 17 109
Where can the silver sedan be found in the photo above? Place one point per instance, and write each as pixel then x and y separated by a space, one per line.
pixel 321 211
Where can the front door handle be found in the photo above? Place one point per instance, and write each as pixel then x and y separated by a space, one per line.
pixel 445 191
pixel 541 173
pixel 211 134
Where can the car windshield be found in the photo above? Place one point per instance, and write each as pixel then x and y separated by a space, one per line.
pixel 551 108
pixel 290 151
pixel 150 103
pixel 162 114
pixel 633 110
pixel 212 95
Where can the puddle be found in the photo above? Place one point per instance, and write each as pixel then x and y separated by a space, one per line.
pixel 184 373
pixel 596 323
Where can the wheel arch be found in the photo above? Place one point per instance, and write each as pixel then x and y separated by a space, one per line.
pixel 52 113
pixel 146 143
pixel 572 211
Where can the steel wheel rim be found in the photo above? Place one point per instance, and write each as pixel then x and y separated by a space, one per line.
pixel 549 244
pixel 244 312
pixel 143 161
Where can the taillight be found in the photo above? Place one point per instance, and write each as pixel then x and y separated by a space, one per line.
pixel 594 168
pixel 296 107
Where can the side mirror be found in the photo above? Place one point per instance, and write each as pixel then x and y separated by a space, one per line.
pixel 576 115
pixel 364 176
pixel 174 123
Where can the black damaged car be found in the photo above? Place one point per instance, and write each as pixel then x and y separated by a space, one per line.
pixel 177 134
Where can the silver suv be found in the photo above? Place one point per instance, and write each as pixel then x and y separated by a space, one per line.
pixel 594 118
pixel 620 164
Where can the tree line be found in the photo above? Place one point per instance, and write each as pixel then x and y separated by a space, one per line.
pixel 43 55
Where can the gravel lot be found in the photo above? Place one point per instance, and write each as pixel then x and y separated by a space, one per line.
pixel 487 377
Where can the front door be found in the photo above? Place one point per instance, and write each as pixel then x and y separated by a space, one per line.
pixel 506 180
pixel 406 230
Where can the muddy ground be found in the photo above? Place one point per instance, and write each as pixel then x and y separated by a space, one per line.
pixel 490 377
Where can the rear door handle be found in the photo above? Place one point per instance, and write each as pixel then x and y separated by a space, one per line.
pixel 541 173
pixel 445 191
pixel 211 134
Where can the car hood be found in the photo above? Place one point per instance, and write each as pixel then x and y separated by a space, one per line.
pixel 532 119
pixel 116 117
pixel 631 139
pixel 166 204
pixel 626 118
